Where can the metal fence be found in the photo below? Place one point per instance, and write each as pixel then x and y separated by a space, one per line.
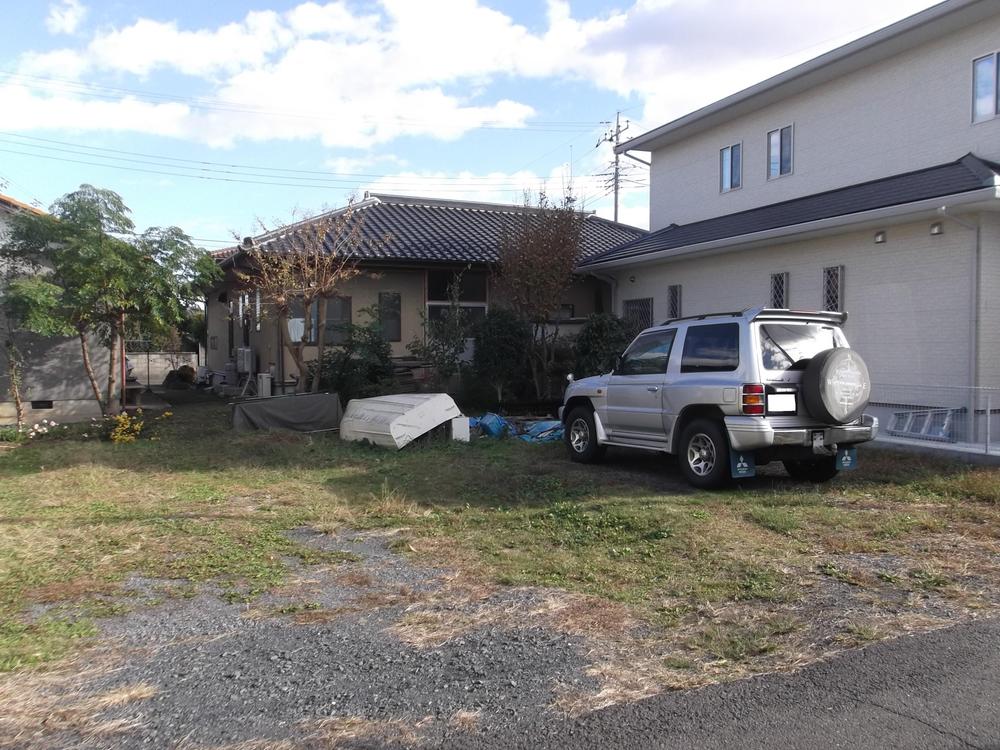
pixel 962 417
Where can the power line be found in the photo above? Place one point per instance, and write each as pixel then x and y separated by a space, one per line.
pixel 453 188
pixel 117 154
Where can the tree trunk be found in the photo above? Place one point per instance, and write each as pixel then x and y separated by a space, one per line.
pixel 320 342
pixel 293 349
pixel 14 374
pixel 112 361
pixel 89 369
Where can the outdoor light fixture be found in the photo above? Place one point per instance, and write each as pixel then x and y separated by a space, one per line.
pixel 937 228
pixel 632 279
pixel 879 238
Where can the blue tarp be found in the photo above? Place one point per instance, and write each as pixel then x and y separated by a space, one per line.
pixel 543 431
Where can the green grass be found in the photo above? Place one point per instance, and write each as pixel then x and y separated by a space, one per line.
pixel 79 517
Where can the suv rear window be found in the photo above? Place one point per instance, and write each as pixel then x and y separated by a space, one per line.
pixel 782 345
pixel 714 348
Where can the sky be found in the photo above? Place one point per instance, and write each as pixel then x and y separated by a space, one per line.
pixel 223 117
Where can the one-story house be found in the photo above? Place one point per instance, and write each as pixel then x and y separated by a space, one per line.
pixel 412 250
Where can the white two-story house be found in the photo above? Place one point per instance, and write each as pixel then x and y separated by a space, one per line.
pixel 865 180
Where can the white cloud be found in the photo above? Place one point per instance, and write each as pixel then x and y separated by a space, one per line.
pixel 65 16
pixel 346 77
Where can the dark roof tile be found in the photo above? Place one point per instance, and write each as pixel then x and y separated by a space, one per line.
pixel 420 230
pixel 967 174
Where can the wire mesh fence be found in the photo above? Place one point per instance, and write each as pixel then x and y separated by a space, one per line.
pixel 960 416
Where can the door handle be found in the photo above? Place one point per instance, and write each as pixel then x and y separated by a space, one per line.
pixel 653 388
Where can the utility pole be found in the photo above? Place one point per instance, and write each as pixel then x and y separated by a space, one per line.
pixel 614 136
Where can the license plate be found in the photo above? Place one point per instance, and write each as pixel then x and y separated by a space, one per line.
pixel 781 403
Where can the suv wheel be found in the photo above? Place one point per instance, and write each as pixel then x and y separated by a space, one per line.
pixel 817 470
pixel 581 436
pixel 704 454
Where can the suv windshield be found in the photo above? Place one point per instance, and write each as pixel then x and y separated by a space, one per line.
pixel 784 344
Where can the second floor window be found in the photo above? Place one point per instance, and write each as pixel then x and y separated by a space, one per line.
pixel 730 167
pixel 779 152
pixel 833 288
pixel 985 104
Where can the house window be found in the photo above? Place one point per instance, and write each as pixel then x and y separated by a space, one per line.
pixel 390 315
pixel 338 317
pixel 297 322
pixel 638 313
pixel 985 103
pixel 779 290
pixel 730 167
pixel 833 288
pixel 566 311
pixel 472 294
pixel 779 152
pixel 674 301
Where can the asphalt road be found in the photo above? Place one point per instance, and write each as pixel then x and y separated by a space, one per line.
pixel 936 690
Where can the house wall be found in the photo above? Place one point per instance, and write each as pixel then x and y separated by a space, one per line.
pixel 908 299
pixel 363 290
pixel 910 111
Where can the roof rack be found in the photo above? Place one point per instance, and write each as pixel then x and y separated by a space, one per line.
pixel 768 313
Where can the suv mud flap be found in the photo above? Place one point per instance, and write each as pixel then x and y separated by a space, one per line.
pixel 742 465
pixel 847 459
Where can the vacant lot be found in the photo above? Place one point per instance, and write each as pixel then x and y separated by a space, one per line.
pixel 650 585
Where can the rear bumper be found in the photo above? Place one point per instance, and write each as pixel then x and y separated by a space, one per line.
pixel 756 433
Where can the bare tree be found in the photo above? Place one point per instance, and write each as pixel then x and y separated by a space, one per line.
pixel 307 266
pixel 538 254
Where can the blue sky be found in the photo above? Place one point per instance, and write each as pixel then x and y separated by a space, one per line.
pixel 216 115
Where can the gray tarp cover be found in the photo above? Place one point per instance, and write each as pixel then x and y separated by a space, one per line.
pixel 303 413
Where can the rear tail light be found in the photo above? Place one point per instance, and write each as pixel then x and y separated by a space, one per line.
pixel 753 399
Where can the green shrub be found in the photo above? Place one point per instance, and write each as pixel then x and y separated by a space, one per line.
pixel 603 337
pixel 500 358
pixel 360 366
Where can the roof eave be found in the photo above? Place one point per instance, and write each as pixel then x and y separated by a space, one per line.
pixel 989 197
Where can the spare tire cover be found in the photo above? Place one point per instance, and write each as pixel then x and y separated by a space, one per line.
pixel 836 386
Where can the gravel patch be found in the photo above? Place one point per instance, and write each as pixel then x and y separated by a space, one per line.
pixel 320 662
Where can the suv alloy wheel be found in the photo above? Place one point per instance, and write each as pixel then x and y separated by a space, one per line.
pixel 704 454
pixel 581 436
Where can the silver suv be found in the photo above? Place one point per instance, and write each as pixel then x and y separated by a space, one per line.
pixel 728 392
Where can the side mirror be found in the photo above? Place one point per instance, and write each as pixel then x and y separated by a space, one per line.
pixel 570 378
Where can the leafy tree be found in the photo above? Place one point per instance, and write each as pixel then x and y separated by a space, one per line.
pixel 81 270
pixel 538 254
pixel 501 345
pixel 306 265
pixel 603 337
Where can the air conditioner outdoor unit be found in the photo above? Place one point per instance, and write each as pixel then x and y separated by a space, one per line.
pixel 244 360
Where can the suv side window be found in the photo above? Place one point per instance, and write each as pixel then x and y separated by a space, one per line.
pixel 648 355
pixel 711 348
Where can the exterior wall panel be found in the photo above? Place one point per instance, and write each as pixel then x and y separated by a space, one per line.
pixel 911 111
pixel 907 299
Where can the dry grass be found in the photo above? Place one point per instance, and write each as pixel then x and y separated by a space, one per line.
pixel 342 731
pixel 42 707
pixel 465 720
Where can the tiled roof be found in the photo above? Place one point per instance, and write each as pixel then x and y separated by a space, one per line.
pixel 13 204
pixel 421 230
pixel 967 174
